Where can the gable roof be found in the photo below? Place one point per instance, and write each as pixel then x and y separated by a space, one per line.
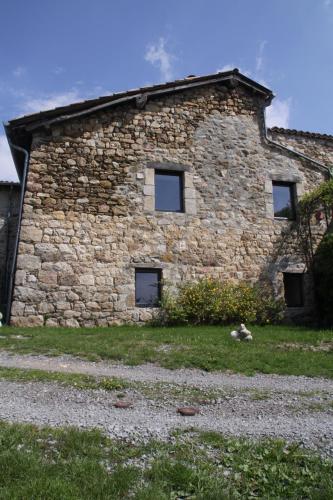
pixel 19 130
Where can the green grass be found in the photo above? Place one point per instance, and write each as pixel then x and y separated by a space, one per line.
pixel 206 347
pixel 71 464
pixel 72 379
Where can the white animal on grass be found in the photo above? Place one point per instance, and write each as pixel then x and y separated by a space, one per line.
pixel 241 334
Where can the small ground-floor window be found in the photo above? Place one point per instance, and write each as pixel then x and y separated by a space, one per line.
pixel 293 289
pixel 147 287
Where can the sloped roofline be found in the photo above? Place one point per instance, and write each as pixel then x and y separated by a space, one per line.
pixel 169 87
pixel 301 133
pixel 19 130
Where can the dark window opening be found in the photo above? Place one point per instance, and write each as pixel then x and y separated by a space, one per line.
pixel 169 191
pixel 284 200
pixel 293 289
pixel 147 287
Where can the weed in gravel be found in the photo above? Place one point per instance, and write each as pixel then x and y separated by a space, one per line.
pixel 260 395
pixel 72 379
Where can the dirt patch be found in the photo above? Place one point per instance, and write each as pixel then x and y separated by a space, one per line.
pixel 324 346
pixel 170 348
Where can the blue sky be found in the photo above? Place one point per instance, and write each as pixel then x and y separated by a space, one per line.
pixel 56 52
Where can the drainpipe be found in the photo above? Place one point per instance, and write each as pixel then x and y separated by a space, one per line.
pixel 329 170
pixel 17 239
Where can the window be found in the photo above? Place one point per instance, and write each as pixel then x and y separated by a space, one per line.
pixel 169 191
pixel 147 287
pixel 284 200
pixel 293 289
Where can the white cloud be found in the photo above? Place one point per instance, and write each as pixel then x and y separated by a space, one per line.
pixel 34 105
pixel 19 71
pixel 7 168
pixel 158 56
pixel 278 113
pixel 260 56
pixel 226 67
pixel 229 67
pixel 327 3
pixel 57 70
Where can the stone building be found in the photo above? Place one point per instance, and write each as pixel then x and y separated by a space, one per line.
pixel 165 183
pixel 9 205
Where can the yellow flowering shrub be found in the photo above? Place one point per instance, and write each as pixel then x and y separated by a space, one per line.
pixel 209 301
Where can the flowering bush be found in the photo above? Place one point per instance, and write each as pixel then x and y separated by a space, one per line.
pixel 210 301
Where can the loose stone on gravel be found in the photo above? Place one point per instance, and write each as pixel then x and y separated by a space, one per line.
pixel 187 411
pixel 123 404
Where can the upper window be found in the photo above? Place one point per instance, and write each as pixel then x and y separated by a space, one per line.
pixel 293 289
pixel 147 287
pixel 284 200
pixel 169 191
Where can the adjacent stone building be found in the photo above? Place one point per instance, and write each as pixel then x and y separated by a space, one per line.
pixel 9 206
pixel 166 183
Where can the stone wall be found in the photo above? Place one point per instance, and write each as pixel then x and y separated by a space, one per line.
pixel 89 218
pixel 9 203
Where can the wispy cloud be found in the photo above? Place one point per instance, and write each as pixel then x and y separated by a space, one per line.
pixel 58 70
pixel 19 71
pixel 229 67
pixel 158 56
pixel 278 113
pixel 33 105
pixel 7 168
pixel 260 55
pixel 327 3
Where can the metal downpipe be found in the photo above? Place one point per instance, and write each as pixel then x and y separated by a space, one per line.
pixel 17 239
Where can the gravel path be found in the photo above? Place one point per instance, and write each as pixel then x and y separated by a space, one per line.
pixel 153 373
pixel 294 408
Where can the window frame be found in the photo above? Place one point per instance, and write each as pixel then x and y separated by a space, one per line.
pixel 174 173
pixel 300 276
pixel 292 191
pixel 158 271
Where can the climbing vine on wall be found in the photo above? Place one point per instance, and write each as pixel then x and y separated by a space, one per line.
pixel 315 212
pixel 315 231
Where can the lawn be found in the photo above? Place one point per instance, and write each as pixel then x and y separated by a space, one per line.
pixel 275 349
pixel 72 464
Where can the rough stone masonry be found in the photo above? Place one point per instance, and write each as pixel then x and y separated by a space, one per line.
pixel 89 219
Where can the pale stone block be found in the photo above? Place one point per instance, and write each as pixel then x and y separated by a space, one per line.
pixel 52 322
pixel 189 193
pixel 47 277
pixel 17 308
pixel 87 279
pixel 190 206
pixel 29 233
pixel 27 321
pixel 149 190
pixel 188 180
pixel 149 203
pixel 268 186
pixel 20 277
pixel 299 189
pixel 150 176
pixel 71 323
pixel 45 307
pixel 28 262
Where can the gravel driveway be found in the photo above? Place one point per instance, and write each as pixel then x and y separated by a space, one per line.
pixel 294 408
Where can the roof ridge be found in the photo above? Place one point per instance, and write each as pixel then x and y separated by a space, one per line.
pixel 302 133
pixel 173 85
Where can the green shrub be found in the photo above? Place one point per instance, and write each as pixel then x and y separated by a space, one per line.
pixel 209 301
